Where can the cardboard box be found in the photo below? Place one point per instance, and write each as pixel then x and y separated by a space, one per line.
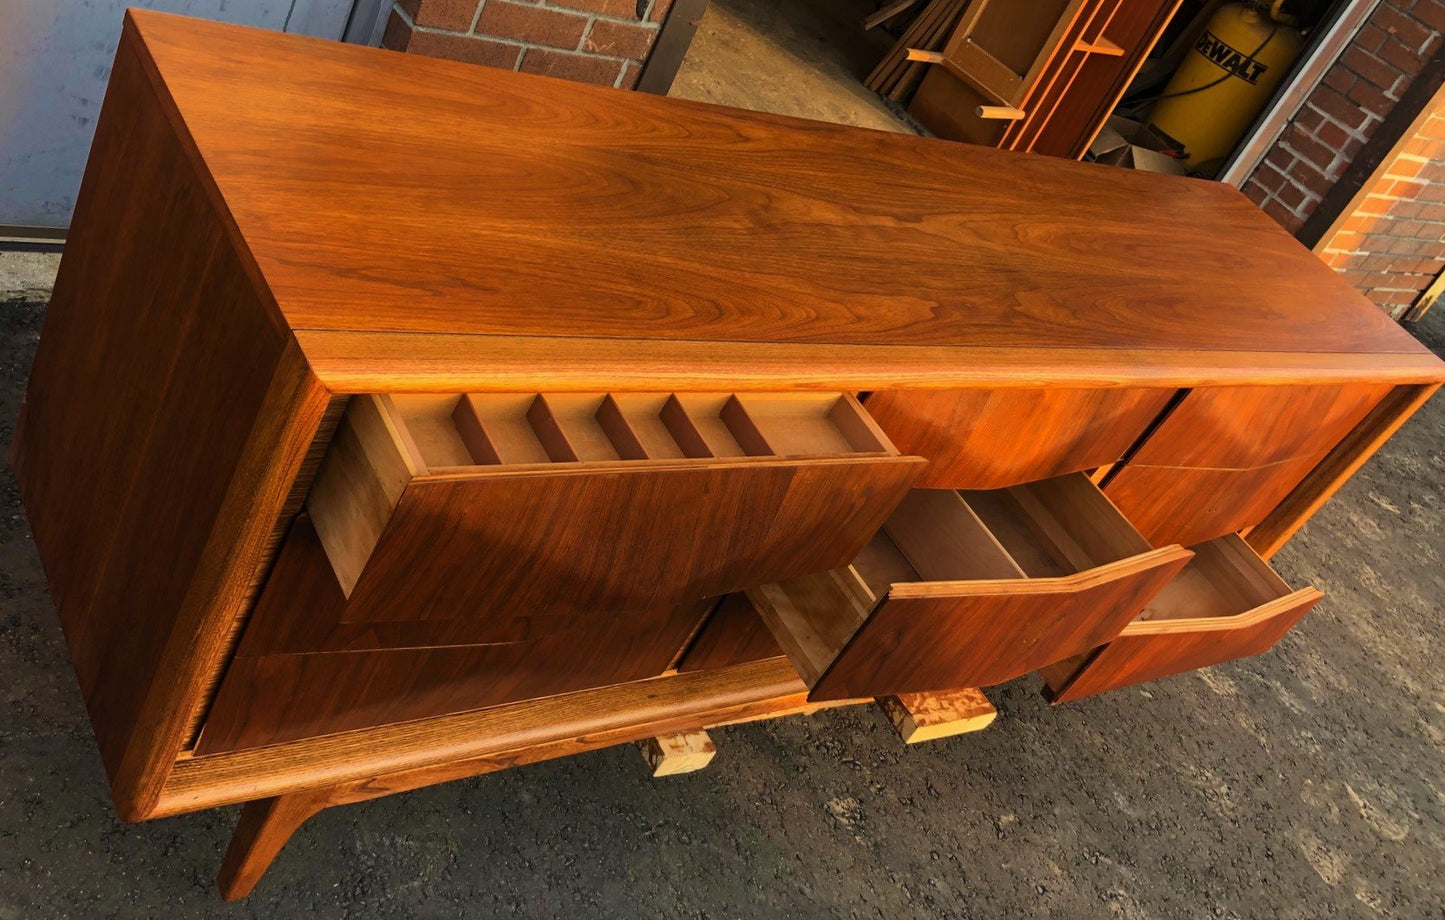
pixel 1127 143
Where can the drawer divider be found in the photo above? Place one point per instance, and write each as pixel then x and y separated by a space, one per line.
pixel 549 431
pixel 365 471
pixel 745 431
pixel 619 431
pixel 944 540
pixel 684 430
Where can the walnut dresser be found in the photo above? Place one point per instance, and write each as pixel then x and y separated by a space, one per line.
pixel 397 420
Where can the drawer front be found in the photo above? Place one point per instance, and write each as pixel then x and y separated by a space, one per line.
pixel 449 508
pixel 989 439
pixel 968 590
pixel 1190 505
pixel 939 636
pixel 301 670
pixel 270 698
pixel 1226 604
pixel 1246 427
pixel 619 539
pixel 1137 657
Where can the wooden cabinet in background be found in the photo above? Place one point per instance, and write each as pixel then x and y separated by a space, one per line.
pixel 361 460
pixel 1071 63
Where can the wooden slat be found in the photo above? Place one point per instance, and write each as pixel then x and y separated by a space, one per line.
pixel 888 12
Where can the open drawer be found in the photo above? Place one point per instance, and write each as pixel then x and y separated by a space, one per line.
pixel 1226 604
pixel 969 589
pixel 440 507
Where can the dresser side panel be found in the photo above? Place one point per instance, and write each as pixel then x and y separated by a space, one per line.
pixel 155 360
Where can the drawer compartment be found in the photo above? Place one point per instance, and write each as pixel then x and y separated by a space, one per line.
pixel 969 589
pixel 989 439
pixel 1226 604
pixel 441 506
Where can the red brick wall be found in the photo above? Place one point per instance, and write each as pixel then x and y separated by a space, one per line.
pixel 1389 242
pixel 596 41
pixel 1391 248
pixel 1343 111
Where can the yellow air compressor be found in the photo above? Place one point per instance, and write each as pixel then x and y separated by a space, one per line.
pixel 1235 65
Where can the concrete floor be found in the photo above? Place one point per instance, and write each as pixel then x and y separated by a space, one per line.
pixel 796 57
pixel 1307 783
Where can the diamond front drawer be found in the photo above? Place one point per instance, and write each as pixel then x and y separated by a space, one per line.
pixel 458 505
pixel 1226 604
pixel 1222 458
pixel 969 589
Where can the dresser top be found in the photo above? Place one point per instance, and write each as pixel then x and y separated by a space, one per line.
pixel 407 214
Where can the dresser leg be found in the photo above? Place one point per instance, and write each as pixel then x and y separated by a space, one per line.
pixel 263 830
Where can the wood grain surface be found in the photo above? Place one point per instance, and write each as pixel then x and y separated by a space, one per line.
pixel 1245 427
pixel 940 635
pixel 989 439
pixel 734 634
pixel 167 416
pixel 621 538
pixel 359 362
pixel 921 717
pixel 759 228
pixel 1148 651
pixel 1338 466
pixel 418 753
pixel 491 586
pixel 284 697
pixel 1188 505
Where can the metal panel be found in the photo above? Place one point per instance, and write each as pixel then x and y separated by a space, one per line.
pixel 55 58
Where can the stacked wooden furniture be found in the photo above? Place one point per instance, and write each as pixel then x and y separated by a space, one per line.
pixel 1040 76
pixel 366 452
pixel 898 74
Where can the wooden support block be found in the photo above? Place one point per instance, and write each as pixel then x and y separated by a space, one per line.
pixel 927 716
pixel 684 752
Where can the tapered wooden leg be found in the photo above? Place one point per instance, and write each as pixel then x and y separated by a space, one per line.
pixel 263 830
